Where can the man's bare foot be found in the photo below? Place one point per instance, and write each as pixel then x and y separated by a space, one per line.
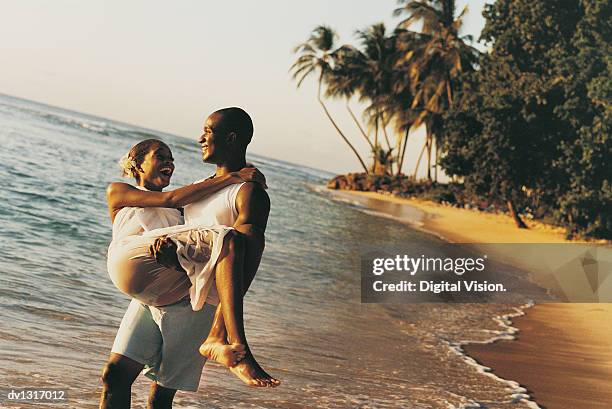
pixel 249 372
pixel 164 251
pixel 226 354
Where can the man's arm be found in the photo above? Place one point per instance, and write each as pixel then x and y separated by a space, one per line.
pixel 253 205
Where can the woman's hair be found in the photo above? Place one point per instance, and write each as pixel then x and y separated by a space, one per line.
pixel 131 161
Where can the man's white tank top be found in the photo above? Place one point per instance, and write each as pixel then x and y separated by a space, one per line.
pixel 218 209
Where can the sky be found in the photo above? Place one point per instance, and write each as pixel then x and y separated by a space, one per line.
pixel 166 65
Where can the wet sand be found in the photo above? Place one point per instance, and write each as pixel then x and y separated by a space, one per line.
pixel 562 355
pixel 563 352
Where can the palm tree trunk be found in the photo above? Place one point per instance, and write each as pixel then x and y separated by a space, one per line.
pixel 367 138
pixel 416 168
pixel 376 147
pixel 517 220
pixel 365 168
pixel 437 156
pixel 428 144
pixel 449 91
pixel 384 128
pixel 376 133
pixel 401 159
pixel 399 156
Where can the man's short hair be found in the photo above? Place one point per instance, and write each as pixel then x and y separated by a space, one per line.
pixel 234 119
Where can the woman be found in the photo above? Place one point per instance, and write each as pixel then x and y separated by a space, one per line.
pixel 136 213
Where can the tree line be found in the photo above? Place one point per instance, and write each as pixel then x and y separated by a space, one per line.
pixel 525 124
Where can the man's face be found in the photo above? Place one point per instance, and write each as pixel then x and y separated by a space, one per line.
pixel 213 140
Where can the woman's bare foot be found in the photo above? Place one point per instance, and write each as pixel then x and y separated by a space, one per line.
pixel 164 251
pixel 249 372
pixel 226 354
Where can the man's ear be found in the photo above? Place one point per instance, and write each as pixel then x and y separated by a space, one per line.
pixel 232 138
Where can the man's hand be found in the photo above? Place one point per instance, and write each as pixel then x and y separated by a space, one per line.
pixel 164 251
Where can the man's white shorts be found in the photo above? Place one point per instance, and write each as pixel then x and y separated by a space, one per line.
pixel 166 340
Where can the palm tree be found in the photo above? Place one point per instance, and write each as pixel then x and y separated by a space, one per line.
pixel 316 56
pixel 434 63
pixel 405 117
pixel 400 104
pixel 343 83
pixel 369 72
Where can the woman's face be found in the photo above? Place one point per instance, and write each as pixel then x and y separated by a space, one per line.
pixel 157 168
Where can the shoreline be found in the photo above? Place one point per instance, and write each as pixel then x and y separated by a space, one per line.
pixel 560 353
pixel 458 225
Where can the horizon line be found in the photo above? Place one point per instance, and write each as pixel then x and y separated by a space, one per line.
pixel 96 116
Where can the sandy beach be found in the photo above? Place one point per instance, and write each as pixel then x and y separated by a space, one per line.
pixel 562 355
pixel 563 352
pixel 463 225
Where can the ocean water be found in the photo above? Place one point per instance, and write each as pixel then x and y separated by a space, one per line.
pixel 59 311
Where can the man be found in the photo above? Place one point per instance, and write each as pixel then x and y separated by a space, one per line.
pixel 166 339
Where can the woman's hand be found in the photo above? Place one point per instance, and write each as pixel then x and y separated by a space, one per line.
pixel 250 174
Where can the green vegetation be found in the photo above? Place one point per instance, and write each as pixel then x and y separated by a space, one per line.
pixel 524 126
pixel 404 78
pixel 531 125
